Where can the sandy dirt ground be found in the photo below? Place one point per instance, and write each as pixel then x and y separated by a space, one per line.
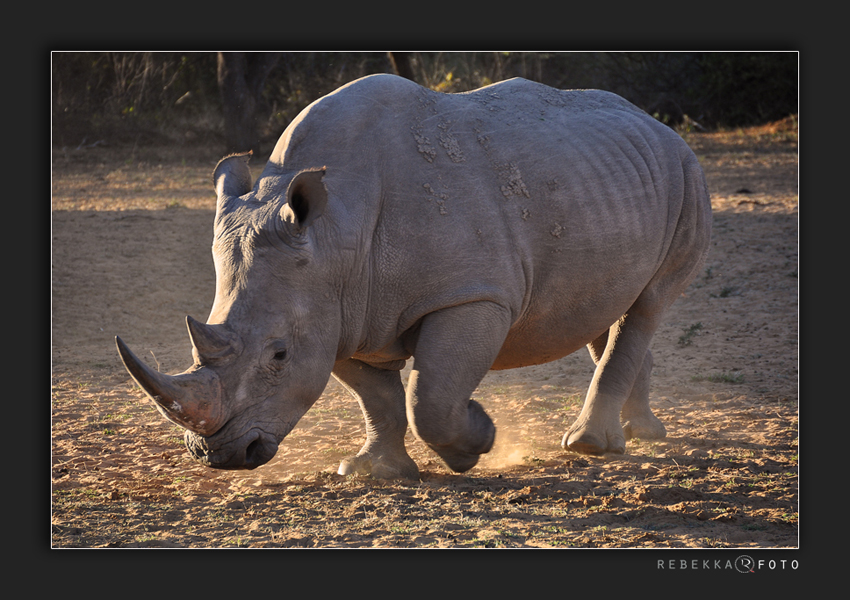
pixel 131 235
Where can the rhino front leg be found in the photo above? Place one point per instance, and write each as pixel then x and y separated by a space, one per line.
pixel 620 373
pixel 380 394
pixel 455 348
pixel 637 418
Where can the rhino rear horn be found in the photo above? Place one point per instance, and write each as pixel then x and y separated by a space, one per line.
pixel 210 341
pixel 191 399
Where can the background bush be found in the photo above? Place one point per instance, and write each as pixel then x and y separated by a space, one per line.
pixel 148 97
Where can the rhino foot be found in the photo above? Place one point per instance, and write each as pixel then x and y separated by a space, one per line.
pixel 644 428
pixel 462 456
pixel 380 467
pixel 583 440
pixel 458 461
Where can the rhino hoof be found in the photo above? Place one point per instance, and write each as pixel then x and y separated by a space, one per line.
pixel 379 468
pixel 461 457
pixel 458 461
pixel 584 442
pixel 644 429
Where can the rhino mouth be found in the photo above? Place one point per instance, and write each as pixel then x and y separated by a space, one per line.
pixel 249 451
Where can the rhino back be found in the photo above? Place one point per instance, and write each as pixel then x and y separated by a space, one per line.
pixel 559 205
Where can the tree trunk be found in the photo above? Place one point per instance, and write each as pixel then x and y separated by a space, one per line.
pixel 241 78
pixel 401 64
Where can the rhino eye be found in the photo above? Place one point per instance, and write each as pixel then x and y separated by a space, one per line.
pixel 277 354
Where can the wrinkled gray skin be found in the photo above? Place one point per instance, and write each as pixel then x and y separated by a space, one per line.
pixel 500 228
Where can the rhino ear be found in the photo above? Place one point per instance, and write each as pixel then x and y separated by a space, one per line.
pixel 306 198
pixel 232 176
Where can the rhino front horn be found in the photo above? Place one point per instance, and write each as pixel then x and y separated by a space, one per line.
pixel 191 399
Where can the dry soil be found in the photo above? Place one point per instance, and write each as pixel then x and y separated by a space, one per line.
pixel 131 235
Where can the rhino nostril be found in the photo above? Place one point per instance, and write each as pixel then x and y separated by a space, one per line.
pixel 252 449
pixel 257 453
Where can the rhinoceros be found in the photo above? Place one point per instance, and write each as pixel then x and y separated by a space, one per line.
pixel 498 228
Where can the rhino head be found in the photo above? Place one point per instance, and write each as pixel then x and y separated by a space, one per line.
pixel 269 345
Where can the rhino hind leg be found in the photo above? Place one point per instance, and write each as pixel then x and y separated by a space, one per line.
pixel 455 348
pixel 380 394
pixel 618 385
pixel 636 416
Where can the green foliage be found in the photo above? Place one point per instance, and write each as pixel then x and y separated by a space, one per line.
pixel 686 338
pixel 723 377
